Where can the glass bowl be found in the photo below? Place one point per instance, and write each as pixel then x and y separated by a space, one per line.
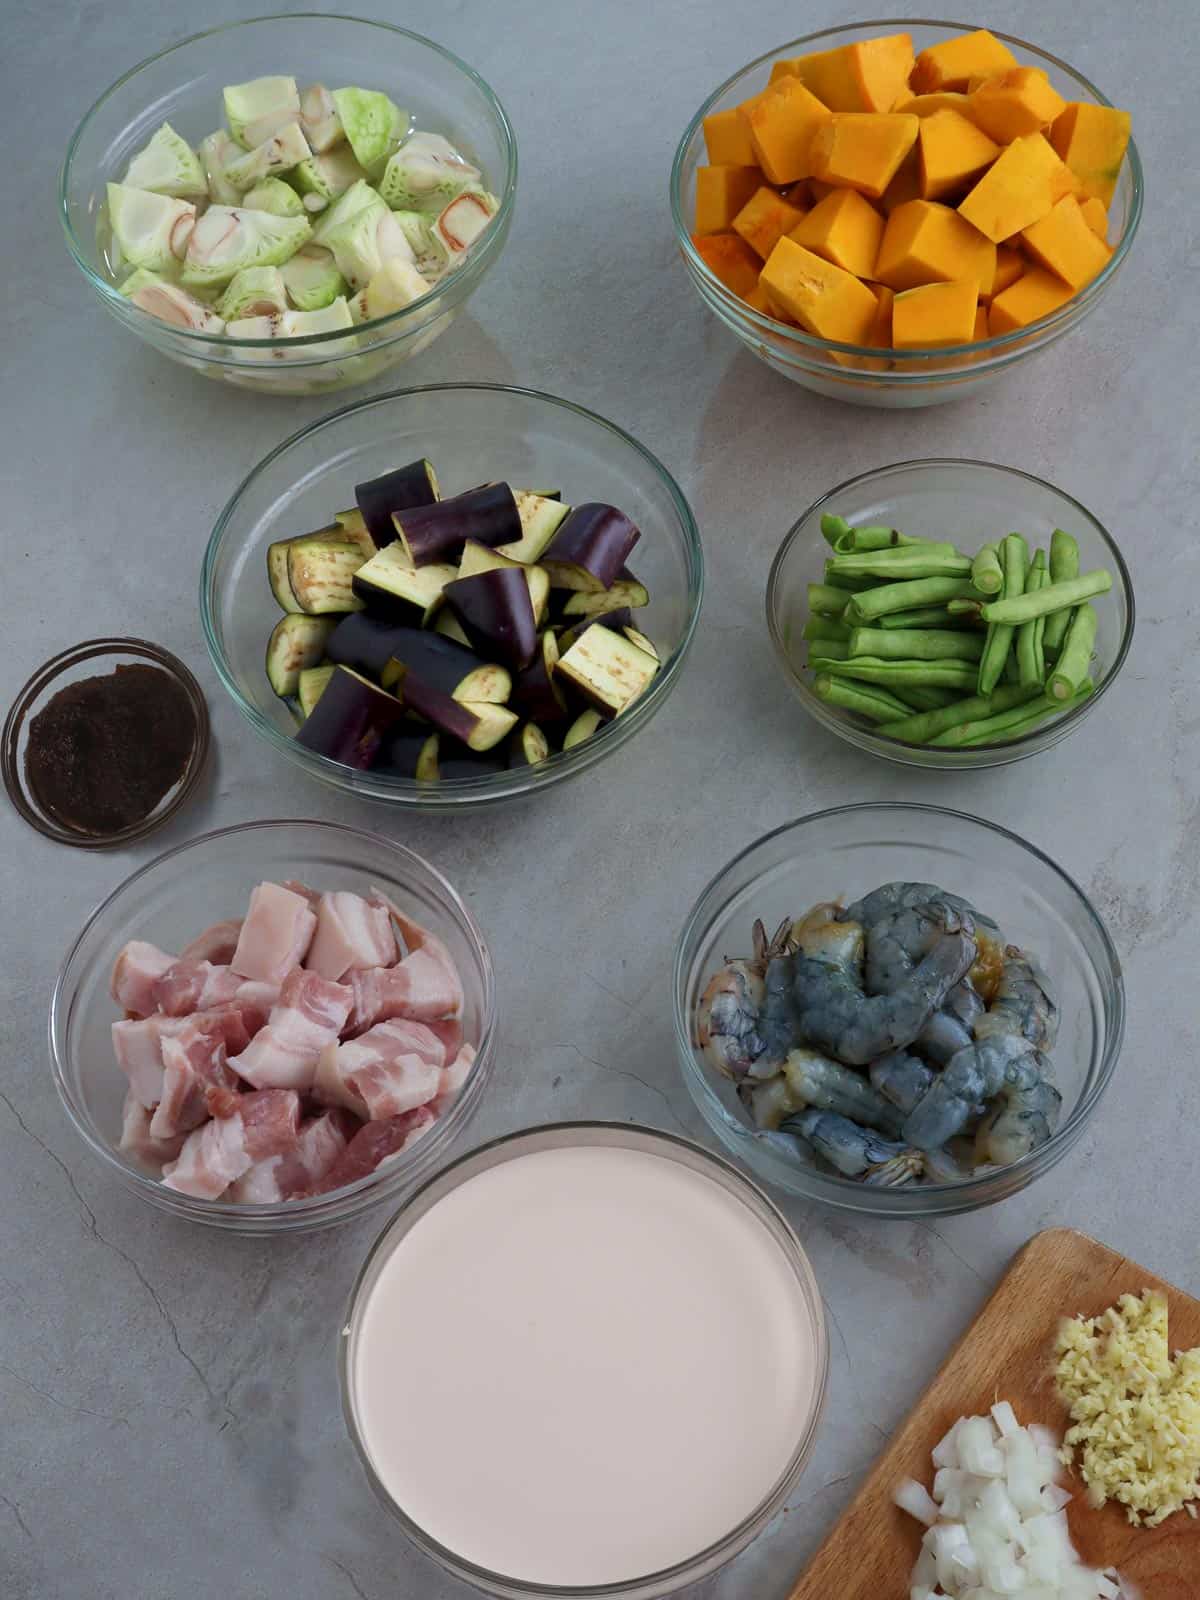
pixel 864 375
pixel 183 86
pixel 471 433
pixel 846 851
pixel 968 503
pixel 624 1136
pixel 89 659
pixel 169 902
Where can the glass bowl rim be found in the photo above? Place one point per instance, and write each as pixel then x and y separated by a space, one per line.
pixel 917 1199
pixel 42 678
pixel 315 1208
pixel 752 1193
pixel 1012 343
pixel 463 277
pixel 881 744
pixel 494 785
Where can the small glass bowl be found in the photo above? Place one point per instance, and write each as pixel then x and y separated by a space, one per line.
pixel 844 853
pixel 183 85
pixel 471 433
pixel 623 1136
pixel 89 659
pixel 860 374
pixel 176 896
pixel 967 503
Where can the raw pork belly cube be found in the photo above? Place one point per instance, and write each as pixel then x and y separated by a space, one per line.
pixel 275 935
pixel 135 973
pixel 374 1144
pixel 452 1078
pixel 212 1158
pixel 197 1081
pixel 309 1014
pixel 271 1120
pixel 138 1049
pixel 419 987
pixel 217 944
pixel 189 986
pixel 282 1177
pixel 136 1138
pixel 351 934
pixel 359 1074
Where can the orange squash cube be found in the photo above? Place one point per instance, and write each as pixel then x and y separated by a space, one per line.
pixel 782 121
pixel 953 153
pixel 721 192
pixel 881 329
pixel 1035 294
pixel 764 220
pixel 1010 264
pixel 870 75
pixel 936 314
pixel 757 299
pixel 730 259
pixel 925 242
pixel 1024 182
pixel 862 149
pixel 1092 141
pixel 981 322
pixel 924 105
pixel 845 229
pixel 1095 214
pixel 823 299
pixel 1016 103
pixel 1063 242
pixel 727 139
pixel 906 185
pixel 952 63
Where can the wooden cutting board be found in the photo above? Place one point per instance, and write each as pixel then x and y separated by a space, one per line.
pixel 1007 1354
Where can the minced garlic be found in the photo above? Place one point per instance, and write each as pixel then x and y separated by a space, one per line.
pixel 1135 1412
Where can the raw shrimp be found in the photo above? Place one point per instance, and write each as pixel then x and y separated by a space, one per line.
pixel 899 896
pixel 828 934
pixel 815 1080
pixel 855 1151
pixel 739 1027
pixel 1024 1119
pixel 900 1077
pixel 836 1016
pixel 897 940
pixel 1022 1003
pixel 951 1029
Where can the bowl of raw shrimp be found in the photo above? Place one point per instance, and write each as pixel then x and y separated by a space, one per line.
pixel 896 1009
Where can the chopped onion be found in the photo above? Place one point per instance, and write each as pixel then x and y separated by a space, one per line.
pixel 1005 1418
pixel 1054 1497
pixel 913 1497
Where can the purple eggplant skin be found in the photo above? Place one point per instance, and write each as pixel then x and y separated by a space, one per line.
pixel 366 643
pixel 436 706
pixel 456 761
pixel 535 694
pixel 441 662
pixel 402 749
pixel 595 537
pixel 497 615
pixel 351 720
pixel 438 532
pixel 621 618
pixel 401 490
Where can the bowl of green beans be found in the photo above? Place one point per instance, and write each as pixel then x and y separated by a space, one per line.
pixel 950 614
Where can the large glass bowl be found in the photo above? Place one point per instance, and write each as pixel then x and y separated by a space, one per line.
pixel 169 902
pixel 183 84
pixel 859 374
pixel 623 1136
pixel 471 433
pixel 844 853
pixel 967 503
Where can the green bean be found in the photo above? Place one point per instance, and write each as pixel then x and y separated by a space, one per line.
pixel 916 644
pixel 1053 597
pixel 876 603
pixel 969 606
pixel 920 617
pixel 873 538
pixel 1073 659
pixel 1014 558
pixel 848 582
pixel 904 561
pixel 1031 665
pixel 924 697
pixel 986 571
pixel 1012 671
pixel 825 601
pixel 873 669
pixel 825 628
pixel 1008 725
pixel 1064 565
pixel 864 698
pixel 928 724
pixel 831 649
pixel 832 528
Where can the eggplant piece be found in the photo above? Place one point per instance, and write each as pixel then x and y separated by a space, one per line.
pixel 350 525
pixel 478 557
pixel 626 592
pixel 479 724
pixel 312 685
pixel 618 620
pixel 590 548
pixel 365 643
pixel 409 751
pixel 392 587
pixel 535 693
pixel 584 726
pixel 348 528
pixel 637 637
pixel 321 574
pixel 402 490
pixel 528 746
pixel 350 720
pixel 497 615
pixel 457 761
pixel 297 641
pixel 277 575
pixel 444 665
pixel 450 627
pixel 541 516
pixel 607 669
pixel 438 532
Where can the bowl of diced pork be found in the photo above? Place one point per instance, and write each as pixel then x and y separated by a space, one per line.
pixel 275 1026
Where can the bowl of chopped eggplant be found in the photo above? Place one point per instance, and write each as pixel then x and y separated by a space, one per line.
pixel 291 204
pixel 452 595
pixel 950 614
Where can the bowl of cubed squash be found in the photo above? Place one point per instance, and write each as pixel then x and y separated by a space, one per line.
pixel 894 213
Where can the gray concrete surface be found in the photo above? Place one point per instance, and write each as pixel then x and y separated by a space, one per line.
pixel 169 1427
